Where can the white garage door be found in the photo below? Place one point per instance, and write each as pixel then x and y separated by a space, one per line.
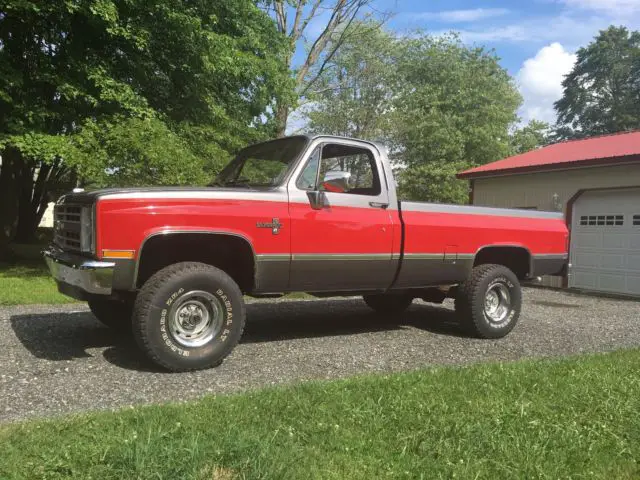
pixel 605 241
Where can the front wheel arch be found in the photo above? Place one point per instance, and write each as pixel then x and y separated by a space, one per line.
pixel 230 252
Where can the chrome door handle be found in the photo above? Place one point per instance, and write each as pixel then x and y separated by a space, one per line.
pixel 378 205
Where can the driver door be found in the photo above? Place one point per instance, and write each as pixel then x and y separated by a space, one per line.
pixel 347 243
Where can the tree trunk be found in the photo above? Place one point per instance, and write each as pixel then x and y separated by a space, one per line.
pixel 282 115
pixel 8 199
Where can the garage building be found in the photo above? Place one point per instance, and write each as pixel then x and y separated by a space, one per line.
pixel 596 183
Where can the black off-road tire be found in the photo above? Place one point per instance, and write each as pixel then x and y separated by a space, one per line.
pixel 115 314
pixel 474 293
pixel 388 303
pixel 171 287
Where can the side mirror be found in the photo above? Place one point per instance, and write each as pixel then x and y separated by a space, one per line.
pixel 316 199
pixel 336 181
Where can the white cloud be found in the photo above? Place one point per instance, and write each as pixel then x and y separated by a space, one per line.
pixel 569 30
pixel 459 16
pixel 606 6
pixel 540 81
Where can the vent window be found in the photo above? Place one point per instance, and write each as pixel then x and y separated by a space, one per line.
pixel 605 220
pixel 636 220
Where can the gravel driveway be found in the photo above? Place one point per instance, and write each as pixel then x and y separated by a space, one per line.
pixel 58 359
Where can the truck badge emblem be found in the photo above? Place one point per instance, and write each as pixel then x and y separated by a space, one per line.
pixel 275 225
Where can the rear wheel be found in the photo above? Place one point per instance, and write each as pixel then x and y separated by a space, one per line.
pixel 388 303
pixel 188 316
pixel 115 314
pixel 488 303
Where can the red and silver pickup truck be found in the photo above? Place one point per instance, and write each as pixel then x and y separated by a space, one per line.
pixel 298 214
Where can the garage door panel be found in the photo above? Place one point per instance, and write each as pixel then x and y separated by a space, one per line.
pixel 586 260
pixel 589 240
pixel 615 240
pixel 609 261
pixel 633 285
pixel 584 279
pixel 612 282
pixel 633 263
pixel 605 242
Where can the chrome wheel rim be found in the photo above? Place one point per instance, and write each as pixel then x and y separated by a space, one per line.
pixel 497 303
pixel 195 318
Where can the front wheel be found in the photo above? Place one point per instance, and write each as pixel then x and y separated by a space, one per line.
pixel 488 303
pixel 188 316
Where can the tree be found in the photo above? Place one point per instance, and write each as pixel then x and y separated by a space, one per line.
pixel 533 135
pixel 198 78
pixel 453 112
pixel 440 106
pixel 602 93
pixel 354 95
pixel 340 16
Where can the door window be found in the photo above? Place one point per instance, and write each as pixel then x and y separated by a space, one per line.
pixel 343 169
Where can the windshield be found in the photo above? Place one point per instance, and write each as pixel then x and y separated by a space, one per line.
pixel 262 165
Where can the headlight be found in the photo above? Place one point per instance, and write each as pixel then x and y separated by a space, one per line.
pixel 87 241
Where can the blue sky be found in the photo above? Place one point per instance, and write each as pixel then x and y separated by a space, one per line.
pixel 535 39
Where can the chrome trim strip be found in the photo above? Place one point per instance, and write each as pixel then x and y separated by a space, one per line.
pixel 277 195
pixel 266 257
pixel 424 256
pixel 341 256
pixel 273 257
pixel 438 256
pixel 477 210
pixel 551 256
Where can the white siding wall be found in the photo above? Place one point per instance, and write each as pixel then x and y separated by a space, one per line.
pixel 47 218
pixel 537 189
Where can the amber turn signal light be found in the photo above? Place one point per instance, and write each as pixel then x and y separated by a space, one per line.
pixel 123 254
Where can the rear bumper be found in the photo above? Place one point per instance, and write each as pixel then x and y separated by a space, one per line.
pixel 77 276
pixel 552 264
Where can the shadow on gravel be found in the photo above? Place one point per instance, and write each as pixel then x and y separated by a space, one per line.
pixel 69 336
pixel 324 318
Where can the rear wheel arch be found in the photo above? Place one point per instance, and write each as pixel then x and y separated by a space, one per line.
pixel 230 252
pixel 516 258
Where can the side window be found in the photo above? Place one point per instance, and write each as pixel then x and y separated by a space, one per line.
pixel 348 169
pixel 307 179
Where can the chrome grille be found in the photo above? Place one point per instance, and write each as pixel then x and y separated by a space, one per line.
pixel 67 226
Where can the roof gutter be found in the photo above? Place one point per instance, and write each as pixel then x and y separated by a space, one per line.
pixel 551 167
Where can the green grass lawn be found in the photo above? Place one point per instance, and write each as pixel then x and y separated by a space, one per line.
pixel 572 418
pixel 26 279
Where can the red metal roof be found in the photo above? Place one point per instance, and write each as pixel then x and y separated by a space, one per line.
pixel 595 150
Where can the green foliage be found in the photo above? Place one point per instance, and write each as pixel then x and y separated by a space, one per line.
pixel 439 106
pixel 354 95
pixel 601 94
pixel 569 418
pixel 533 135
pixel 453 112
pixel 133 151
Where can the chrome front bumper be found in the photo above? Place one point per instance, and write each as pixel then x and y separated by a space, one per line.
pixel 78 276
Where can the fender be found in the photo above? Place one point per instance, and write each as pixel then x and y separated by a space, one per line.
pixel 518 246
pixel 171 231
